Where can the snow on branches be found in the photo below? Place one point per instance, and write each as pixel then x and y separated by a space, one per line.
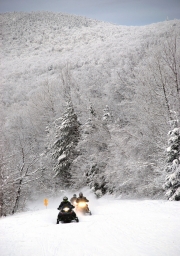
pixel 172 182
pixel 66 131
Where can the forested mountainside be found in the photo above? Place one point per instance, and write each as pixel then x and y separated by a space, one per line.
pixel 87 103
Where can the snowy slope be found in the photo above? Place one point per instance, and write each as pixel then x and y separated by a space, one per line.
pixel 117 227
pixel 37 46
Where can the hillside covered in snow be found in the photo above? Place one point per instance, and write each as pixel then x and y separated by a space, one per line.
pixel 86 103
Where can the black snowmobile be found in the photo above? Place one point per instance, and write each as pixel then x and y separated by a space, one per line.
pixel 66 214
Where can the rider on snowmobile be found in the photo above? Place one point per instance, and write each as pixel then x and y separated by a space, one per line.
pixel 65 202
pixel 82 199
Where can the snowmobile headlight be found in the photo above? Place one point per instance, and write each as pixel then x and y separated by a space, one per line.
pixel 82 204
pixel 66 209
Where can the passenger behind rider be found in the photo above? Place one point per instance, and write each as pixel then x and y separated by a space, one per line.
pixel 73 199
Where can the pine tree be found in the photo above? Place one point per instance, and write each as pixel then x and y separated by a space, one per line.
pixel 107 116
pixel 64 148
pixel 172 184
pixel 90 165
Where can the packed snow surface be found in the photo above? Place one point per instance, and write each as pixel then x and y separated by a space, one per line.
pixel 116 227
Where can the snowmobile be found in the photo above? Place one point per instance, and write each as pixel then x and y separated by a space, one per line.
pixel 83 208
pixel 66 214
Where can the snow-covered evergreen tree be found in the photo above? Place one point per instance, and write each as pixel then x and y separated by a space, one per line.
pixel 89 167
pixel 64 151
pixel 107 116
pixel 172 184
pixel 96 180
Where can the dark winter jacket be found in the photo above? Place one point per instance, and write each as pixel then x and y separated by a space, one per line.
pixel 81 199
pixel 68 204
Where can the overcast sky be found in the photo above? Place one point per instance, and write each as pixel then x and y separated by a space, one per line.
pixel 122 12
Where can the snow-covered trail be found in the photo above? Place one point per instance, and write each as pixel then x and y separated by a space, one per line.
pixel 117 227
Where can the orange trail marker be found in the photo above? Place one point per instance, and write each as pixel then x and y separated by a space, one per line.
pixel 46 202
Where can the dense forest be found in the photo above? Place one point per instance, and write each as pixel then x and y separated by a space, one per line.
pixel 88 103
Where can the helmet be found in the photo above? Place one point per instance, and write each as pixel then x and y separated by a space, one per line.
pixel 80 194
pixel 65 199
pixel 74 195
